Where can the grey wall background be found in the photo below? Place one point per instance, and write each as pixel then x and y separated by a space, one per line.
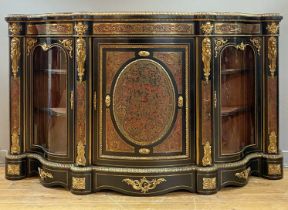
pixel 41 6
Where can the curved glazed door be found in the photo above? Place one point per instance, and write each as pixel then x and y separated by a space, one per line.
pixel 142 114
pixel 239 100
pixel 50 94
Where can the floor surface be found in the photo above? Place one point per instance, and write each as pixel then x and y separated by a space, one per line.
pixel 259 194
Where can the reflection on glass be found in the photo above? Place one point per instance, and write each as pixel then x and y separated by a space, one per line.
pixel 49 99
pixel 237 99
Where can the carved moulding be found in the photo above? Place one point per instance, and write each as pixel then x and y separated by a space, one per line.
pixel 144 185
pixel 272 147
pixel 78 183
pixel 272 55
pixel 244 174
pixel 13 169
pixel 209 183
pixel 206 57
pixel 207 159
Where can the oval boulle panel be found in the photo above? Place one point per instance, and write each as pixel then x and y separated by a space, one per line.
pixel 144 102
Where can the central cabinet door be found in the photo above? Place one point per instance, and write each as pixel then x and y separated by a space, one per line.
pixel 142 103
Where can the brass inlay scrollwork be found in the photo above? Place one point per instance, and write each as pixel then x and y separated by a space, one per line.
pixel 47 29
pixel 144 151
pixel 143 53
pixel 241 46
pixel 80 159
pixel 207 28
pixel 15 146
pixel 244 174
pixel 180 101
pixel 144 185
pixel 219 44
pixel 78 183
pixel 209 183
pixel 272 55
pixel 207 158
pixel 15 55
pixel 274 169
pixel 13 169
pixel 143 28
pixel 237 28
pixel 273 28
pixel 43 174
pixel 68 45
pixel 257 44
pixel 206 57
pixel 15 28
pixel 30 43
pixel 107 100
pixel 272 147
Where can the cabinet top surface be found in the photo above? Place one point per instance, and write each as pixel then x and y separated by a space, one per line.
pixel 94 15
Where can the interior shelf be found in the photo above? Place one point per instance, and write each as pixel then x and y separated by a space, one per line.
pixel 234 110
pixel 233 71
pixel 54 111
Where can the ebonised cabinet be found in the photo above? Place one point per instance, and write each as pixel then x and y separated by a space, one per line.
pixel 144 103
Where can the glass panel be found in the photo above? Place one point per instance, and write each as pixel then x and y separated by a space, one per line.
pixel 237 99
pixel 49 99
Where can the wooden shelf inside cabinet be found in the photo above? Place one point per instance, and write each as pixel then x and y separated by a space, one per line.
pixel 233 71
pixel 55 112
pixel 53 71
pixel 233 110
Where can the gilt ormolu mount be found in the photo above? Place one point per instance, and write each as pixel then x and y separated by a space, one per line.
pixel 144 103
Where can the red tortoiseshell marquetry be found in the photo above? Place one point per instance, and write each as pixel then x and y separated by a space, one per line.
pixel 272 104
pixel 15 105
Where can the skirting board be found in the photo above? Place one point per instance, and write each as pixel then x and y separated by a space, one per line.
pixel 4 152
pixel 2 156
pixel 285 158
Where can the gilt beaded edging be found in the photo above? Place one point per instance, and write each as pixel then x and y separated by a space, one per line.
pixel 74 168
